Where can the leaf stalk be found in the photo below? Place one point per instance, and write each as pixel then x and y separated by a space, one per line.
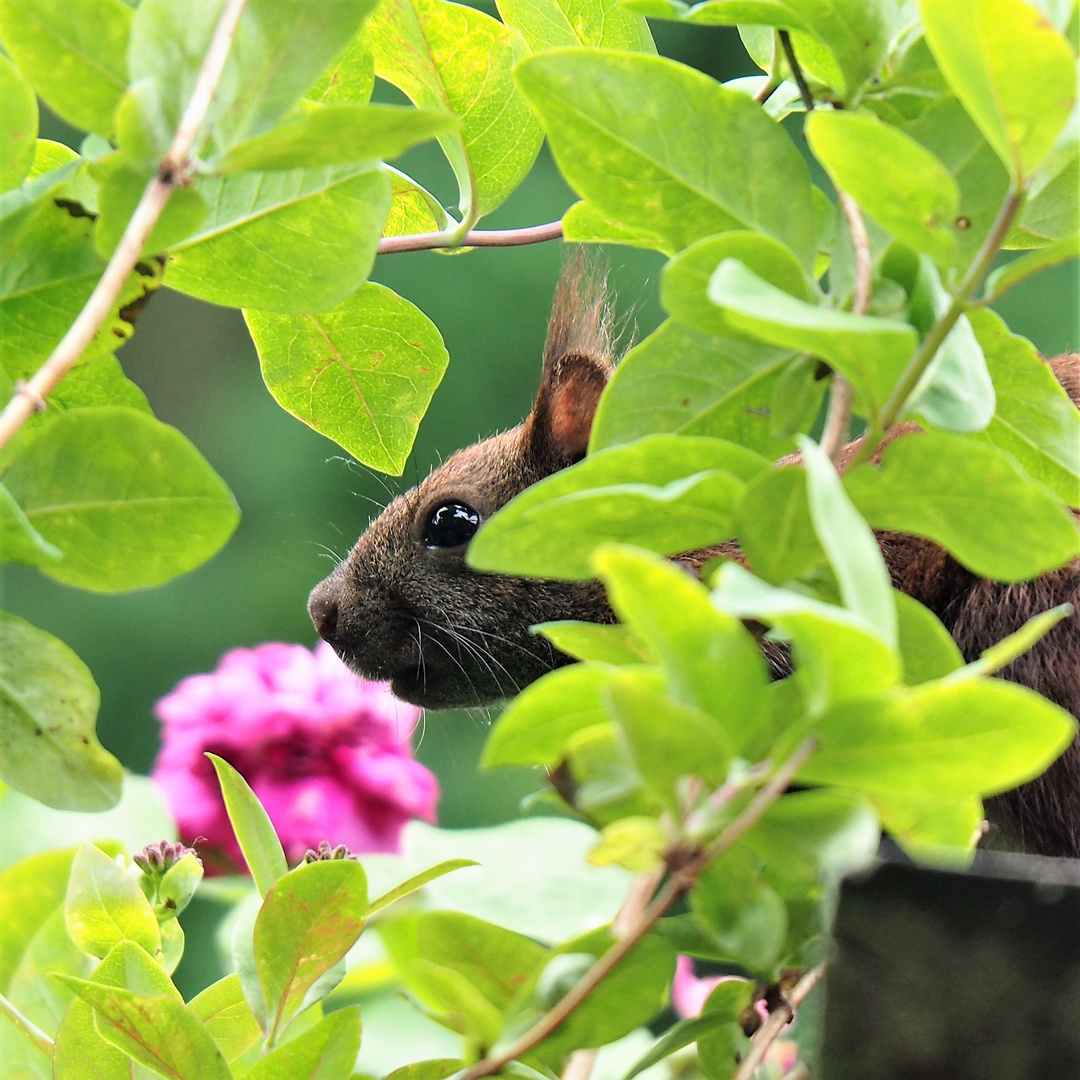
pixel 27 1027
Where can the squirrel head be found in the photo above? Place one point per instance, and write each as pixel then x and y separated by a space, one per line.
pixel 403 605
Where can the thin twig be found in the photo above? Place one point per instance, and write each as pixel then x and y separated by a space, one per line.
pixel 796 71
pixel 680 881
pixel 579 1065
pixel 842 394
pixel 171 174
pixel 768 88
pixel 778 1019
pixel 27 1027
pixel 534 234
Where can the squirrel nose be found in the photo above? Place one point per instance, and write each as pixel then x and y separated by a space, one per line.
pixel 323 609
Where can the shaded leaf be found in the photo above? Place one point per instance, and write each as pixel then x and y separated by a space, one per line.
pixel 48 706
pixel 326 1051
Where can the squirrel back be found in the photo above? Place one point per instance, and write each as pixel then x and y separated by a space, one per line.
pixel 403 606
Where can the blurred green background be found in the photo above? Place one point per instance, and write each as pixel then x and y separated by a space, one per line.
pixel 304 503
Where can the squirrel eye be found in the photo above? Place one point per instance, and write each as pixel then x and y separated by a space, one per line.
pixel 451 525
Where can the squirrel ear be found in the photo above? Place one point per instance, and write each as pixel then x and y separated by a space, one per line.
pixel 577 365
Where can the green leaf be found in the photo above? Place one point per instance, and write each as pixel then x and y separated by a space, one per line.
pixel 774 526
pixel 839 656
pixel 921 825
pixel 158 1031
pixel 1011 69
pixel 324 223
pixel 1005 277
pixel 1005 651
pixel 949 134
pixel 122 183
pixel 73 52
pixel 940 739
pixel 417 881
pixel 338 135
pixel 681 1033
pixel 18 124
pixel 413 209
pixel 308 922
pixel 584 223
pixel 722 1047
pixel 632 995
pixel 48 269
pixel 361 373
pixel 34 942
pixel 19 541
pixel 105 906
pixel 464 1009
pixel 149 507
pixel 604 781
pixel 254 830
pixel 226 1015
pixel 350 79
pixel 898 182
pixel 326 1051
pixel 643 138
pixel 871 352
pixel 81 1053
pixel 495 961
pixel 810 839
pixel 604 24
pixel 281 47
pixel 457 58
pixel 668 739
pixel 955 391
pixel 685 281
pixel 535 726
pixel 591 641
pixel 852 550
pixel 48 705
pixel 432 1069
pixel 926 647
pixel 681 380
pixel 970 498
pixel 746 915
pixel 711 661
pixel 665 493
pixel 1052 212
pixel 1035 421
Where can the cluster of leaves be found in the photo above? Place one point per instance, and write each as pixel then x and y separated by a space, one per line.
pixel 953 133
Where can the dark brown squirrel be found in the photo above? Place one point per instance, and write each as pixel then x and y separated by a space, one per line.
pixel 404 607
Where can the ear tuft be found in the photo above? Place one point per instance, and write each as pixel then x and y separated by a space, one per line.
pixel 578 362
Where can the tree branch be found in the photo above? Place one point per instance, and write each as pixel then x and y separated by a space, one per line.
pixel 172 173
pixel 32 1032
pixel 842 395
pixel 796 71
pixel 681 880
pixel 778 1019
pixel 940 330
pixel 534 234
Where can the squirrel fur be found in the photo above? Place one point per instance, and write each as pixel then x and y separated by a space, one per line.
pixel 403 606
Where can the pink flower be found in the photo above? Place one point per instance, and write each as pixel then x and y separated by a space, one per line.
pixel 688 997
pixel 688 992
pixel 328 754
